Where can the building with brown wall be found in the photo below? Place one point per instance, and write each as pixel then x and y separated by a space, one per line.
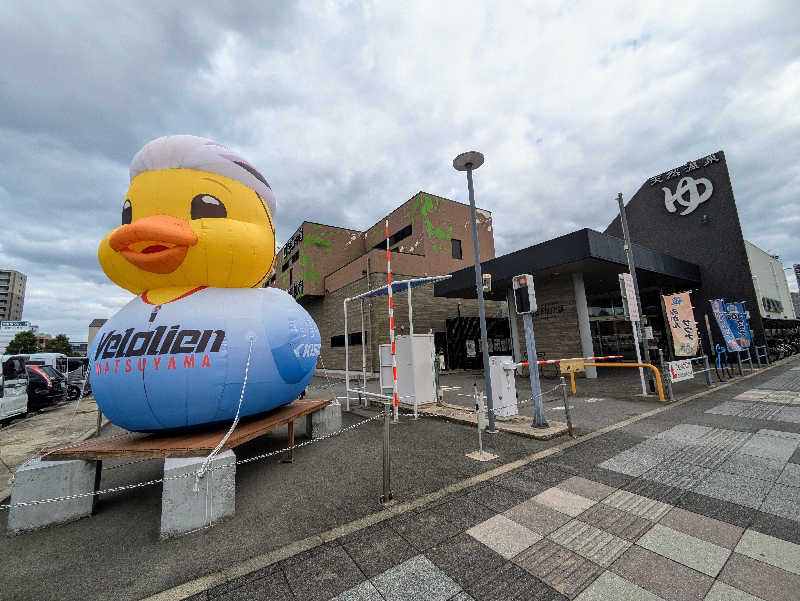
pixel 429 235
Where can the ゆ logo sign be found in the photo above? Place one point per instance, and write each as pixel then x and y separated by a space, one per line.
pixel 695 199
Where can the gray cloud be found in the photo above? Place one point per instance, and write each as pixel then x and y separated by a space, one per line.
pixel 350 108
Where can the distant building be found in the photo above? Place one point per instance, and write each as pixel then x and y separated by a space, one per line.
pixel 797 274
pixel 12 294
pixel 796 303
pixel 9 329
pixel 79 348
pixel 93 328
pixel 42 340
pixel 769 280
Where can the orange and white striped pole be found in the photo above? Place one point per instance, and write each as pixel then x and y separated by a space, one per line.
pixel 391 323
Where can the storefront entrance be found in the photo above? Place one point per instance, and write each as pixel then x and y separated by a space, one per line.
pixel 464 341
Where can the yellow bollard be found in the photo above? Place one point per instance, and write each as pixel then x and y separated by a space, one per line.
pixel 659 386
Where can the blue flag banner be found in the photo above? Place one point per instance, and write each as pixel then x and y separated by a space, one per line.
pixel 737 321
pixel 732 321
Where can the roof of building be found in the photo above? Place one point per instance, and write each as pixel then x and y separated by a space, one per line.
pixel 600 257
pixel 96 323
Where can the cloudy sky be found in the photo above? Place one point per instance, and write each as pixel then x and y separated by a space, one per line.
pixel 349 108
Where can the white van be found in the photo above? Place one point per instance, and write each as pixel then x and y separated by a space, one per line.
pixel 13 386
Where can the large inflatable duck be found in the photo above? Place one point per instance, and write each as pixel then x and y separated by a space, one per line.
pixel 196 243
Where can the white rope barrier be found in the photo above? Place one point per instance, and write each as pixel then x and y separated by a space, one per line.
pixel 202 471
pixel 211 468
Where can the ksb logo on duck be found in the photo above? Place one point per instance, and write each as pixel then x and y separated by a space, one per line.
pixel 195 245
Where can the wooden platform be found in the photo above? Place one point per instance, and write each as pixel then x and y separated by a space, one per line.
pixel 193 443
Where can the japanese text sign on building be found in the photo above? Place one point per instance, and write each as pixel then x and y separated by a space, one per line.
pixel 628 296
pixel 680 320
pixel 732 322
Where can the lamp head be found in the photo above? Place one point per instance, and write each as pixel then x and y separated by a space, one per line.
pixel 468 160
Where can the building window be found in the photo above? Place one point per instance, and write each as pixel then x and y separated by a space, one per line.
pixel 395 238
pixel 291 279
pixel 355 339
pixel 456 246
pixel 285 266
pixel 295 255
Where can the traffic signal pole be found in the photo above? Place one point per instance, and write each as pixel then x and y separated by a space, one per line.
pixel 525 303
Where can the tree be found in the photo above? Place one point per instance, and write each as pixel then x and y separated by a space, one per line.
pixel 59 344
pixel 24 342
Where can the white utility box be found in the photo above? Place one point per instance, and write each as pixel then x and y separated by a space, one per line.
pixel 416 380
pixel 504 386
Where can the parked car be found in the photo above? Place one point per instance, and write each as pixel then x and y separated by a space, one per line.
pixel 46 385
pixel 13 387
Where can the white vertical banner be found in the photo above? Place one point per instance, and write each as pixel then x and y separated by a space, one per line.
pixel 629 296
pixel 632 311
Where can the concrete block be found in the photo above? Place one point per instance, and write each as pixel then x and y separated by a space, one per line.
pixel 325 421
pixel 183 509
pixel 48 479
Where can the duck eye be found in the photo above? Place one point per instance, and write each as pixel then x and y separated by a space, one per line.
pixel 205 206
pixel 127 212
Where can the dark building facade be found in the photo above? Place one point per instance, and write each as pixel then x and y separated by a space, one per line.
pixel 690 212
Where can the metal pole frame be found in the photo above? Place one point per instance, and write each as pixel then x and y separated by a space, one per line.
pixel 387 462
pixel 411 347
pixel 346 360
pixel 476 396
pixel 707 368
pixel 566 406
pixel 363 352
pixel 669 375
pixel 635 329
pixel 481 309
pixel 409 282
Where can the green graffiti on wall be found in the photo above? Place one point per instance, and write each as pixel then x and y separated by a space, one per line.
pixel 319 238
pixel 424 206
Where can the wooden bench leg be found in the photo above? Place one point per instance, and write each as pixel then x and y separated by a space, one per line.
pixel 290 452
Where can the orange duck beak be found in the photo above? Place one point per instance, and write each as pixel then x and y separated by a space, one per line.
pixel 157 243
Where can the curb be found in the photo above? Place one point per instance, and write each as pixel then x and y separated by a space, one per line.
pixel 198 585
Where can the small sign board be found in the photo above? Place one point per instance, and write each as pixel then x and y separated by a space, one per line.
pixel 680 370
pixel 628 296
pixel 470 348
pixel 571 366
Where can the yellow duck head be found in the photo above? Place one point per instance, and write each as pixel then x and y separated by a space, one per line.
pixel 195 215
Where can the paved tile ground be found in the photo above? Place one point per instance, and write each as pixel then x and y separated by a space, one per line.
pixel 750 469
pixel 684 512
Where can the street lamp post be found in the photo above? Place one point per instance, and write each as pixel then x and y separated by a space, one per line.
pixel 469 161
